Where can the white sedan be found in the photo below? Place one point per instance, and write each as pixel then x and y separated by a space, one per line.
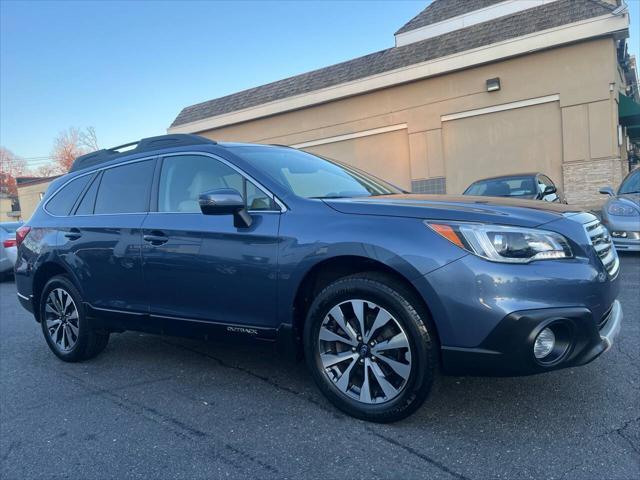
pixel 8 249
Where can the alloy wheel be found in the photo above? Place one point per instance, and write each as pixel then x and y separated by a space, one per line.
pixel 61 317
pixel 364 351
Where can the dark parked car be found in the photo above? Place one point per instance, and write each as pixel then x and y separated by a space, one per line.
pixel 530 186
pixel 378 288
pixel 621 213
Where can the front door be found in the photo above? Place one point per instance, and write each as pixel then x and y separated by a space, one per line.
pixel 200 267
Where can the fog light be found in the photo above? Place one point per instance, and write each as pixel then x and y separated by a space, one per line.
pixel 545 341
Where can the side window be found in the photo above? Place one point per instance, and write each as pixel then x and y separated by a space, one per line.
pixel 125 189
pixel 543 183
pixel 547 181
pixel 64 200
pixel 89 199
pixel 185 177
pixel 256 199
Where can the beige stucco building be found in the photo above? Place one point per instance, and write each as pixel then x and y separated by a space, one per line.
pixel 471 89
pixel 8 211
pixel 30 192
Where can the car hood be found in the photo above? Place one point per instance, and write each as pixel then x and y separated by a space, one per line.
pixel 630 198
pixel 506 211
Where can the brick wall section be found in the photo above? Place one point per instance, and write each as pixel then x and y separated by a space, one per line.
pixel 583 180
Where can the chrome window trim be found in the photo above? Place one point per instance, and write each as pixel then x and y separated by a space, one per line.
pixel 280 203
pixel 44 207
pixel 102 214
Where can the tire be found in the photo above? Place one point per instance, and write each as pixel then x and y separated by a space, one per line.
pixel 70 335
pixel 389 380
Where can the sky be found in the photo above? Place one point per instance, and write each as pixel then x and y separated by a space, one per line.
pixel 128 68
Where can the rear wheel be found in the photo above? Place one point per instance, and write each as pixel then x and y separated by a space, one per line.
pixel 66 329
pixel 369 347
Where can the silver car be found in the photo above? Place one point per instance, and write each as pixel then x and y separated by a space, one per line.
pixel 621 213
pixel 8 249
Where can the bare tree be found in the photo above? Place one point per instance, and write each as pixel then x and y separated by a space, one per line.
pixel 11 166
pixel 70 144
pixel 48 169
pixel 89 139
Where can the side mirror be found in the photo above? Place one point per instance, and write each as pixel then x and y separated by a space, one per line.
pixel 607 191
pixel 549 190
pixel 225 201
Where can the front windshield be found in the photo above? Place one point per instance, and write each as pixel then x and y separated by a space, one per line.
pixel 310 176
pixel 631 184
pixel 504 187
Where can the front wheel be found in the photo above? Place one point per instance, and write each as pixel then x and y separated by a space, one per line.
pixel 65 326
pixel 370 348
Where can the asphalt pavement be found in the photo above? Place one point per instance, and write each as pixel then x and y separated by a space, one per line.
pixel 162 407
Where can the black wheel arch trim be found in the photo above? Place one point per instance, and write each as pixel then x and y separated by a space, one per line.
pixel 58 268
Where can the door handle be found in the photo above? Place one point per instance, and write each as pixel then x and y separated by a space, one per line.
pixel 73 234
pixel 156 238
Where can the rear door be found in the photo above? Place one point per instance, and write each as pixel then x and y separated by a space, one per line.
pixel 200 267
pixel 101 240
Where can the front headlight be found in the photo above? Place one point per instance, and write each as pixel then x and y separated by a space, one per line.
pixel 504 244
pixel 619 208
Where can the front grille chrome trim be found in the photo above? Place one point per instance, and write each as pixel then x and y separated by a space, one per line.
pixel 603 245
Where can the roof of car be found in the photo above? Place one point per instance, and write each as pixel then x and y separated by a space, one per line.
pixel 144 145
pixel 152 145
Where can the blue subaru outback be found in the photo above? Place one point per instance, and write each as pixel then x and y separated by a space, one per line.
pixel 377 288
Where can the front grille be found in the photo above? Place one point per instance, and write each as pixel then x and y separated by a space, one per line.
pixel 602 244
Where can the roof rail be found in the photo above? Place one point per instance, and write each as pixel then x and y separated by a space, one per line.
pixel 143 145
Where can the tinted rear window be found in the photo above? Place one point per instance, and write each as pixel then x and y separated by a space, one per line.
pixel 125 189
pixel 64 199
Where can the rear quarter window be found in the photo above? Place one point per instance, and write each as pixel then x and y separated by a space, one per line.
pixel 89 199
pixel 64 199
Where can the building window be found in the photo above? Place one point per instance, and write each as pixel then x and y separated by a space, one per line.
pixel 429 185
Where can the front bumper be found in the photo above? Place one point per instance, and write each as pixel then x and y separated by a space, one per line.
pixel 624 232
pixel 626 245
pixel 611 327
pixel 508 350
